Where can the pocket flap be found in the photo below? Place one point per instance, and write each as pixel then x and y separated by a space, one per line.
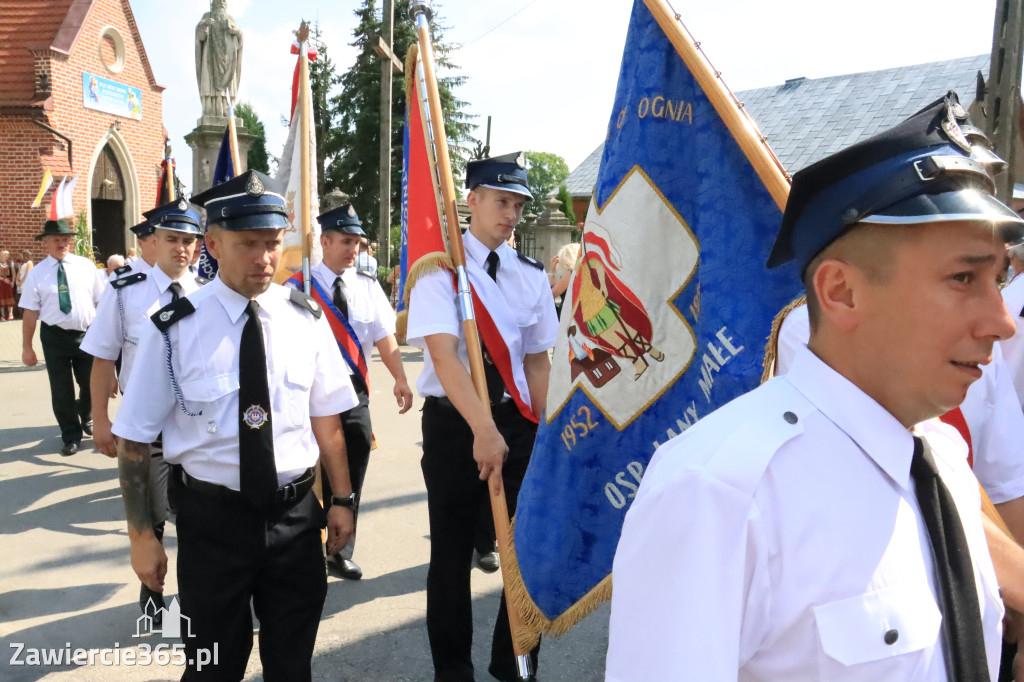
pixel 524 318
pixel 877 625
pixel 210 388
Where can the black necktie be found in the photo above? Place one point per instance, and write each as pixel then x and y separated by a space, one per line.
pixel 63 292
pixel 175 289
pixel 339 296
pixel 257 469
pixel 495 386
pixel 961 614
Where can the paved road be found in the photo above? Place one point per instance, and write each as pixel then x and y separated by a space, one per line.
pixel 65 581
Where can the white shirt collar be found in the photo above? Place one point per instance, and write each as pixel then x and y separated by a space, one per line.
pixel 234 303
pixel 477 251
pixel 160 278
pixel 875 431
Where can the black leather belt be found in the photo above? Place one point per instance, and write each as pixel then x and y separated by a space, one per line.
pixel 444 401
pixel 288 494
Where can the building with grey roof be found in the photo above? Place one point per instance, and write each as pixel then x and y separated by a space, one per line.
pixel 806 119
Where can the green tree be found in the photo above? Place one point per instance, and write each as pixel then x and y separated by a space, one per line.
pixel 258 158
pixel 323 78
pixel 354 163
pixel 545 172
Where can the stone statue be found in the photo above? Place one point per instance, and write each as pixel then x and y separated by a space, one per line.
pixel 218 59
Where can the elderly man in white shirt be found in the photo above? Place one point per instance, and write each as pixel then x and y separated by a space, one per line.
pixel 61 293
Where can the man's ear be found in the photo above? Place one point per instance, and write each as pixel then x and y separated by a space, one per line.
pixel 213 243
pixel 472 199
pixel 838 285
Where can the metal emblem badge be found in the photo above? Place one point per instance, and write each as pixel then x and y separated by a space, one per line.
pixel 521 160
pixel 255 416
pixel 182 205
pixel 254 187
pixel 211 426
pixel 166 315
pixel 314 305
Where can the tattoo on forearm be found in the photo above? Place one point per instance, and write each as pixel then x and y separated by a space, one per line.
pixel 133 464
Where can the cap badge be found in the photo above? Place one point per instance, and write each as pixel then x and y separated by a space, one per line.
pixel 254 187
pixel 521 160
pixel 182 205
pixel 255 416
pixel 952 128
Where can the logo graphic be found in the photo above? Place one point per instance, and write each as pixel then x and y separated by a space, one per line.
pixel 619 318
pixel 164 620
pixel 255 416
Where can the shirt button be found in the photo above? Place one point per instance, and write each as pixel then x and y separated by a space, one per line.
pixel 790 417
pixel 891 636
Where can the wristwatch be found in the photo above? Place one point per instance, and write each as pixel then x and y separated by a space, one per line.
pixel 348 501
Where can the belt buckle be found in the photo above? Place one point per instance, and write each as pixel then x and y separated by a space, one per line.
pixel 289 492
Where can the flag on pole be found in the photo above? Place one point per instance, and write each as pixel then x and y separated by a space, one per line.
pixel 665 320
pixel 43 186
pixel 312 54
pixel 222 172
pixel 67 198
pixel 403 258
pixel 424 242
pixel 62 202
pixel 289 172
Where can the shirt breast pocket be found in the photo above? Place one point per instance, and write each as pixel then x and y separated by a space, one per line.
pixel 203 394
pixel 864 637
pixel 299 379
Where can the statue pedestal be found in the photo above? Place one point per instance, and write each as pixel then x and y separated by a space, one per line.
pixel 551 232
pixel 205 142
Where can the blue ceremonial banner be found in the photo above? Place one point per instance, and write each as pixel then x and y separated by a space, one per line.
pixel 403 260
pixel 222 172
pixel 665 320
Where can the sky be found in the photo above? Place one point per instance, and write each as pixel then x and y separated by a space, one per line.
pixel 545 70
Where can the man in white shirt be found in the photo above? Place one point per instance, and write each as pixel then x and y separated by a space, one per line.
pixel 825 526
pixel 245 382
pixel 463 442
pixel 121 319
pixel 361 317
pixel 61 292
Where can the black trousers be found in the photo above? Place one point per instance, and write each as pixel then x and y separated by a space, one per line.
pixel 67 364
pixel 455 495
pixel 231 554
pixel 355 424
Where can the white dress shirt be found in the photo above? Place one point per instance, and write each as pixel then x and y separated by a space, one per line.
pixel 85 285
pixel 119 324
pixel 307 377
pixel 133 268
pixel 369 313
pixel 526 305
pixel 1013 347
pixel 780 539
pixel 991 411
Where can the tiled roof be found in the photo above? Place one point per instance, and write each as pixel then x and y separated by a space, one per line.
pixel 806 119
pixel 27 25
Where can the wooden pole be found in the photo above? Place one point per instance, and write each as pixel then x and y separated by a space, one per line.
pixel 746 134
pixel 499 507
pixel 1002 93
pixel 170 179
pixel 304 180
pixel 233 135
pixel 386 67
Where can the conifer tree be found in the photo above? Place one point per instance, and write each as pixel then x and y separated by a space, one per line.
pixel 354 162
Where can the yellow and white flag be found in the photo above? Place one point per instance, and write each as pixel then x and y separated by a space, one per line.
pixel 43 186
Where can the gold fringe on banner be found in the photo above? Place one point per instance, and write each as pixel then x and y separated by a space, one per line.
pixel 533 618
pixel 771 349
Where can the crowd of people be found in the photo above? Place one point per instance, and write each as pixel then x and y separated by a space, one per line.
pixel 823 526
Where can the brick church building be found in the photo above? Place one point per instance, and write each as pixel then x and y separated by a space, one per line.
pixel 77 97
